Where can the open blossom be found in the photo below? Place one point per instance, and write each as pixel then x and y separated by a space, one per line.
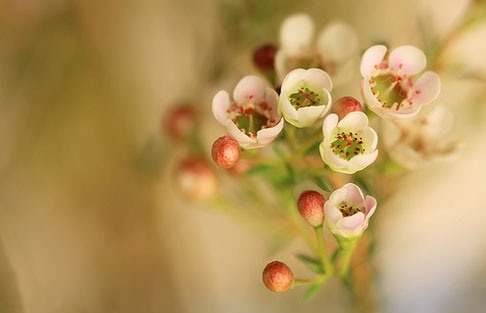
pixel 332 51
pixel 421 140
pixel 348 145
pixel 305 96
pixel 252 117
pixel 348 211
pixel 390 86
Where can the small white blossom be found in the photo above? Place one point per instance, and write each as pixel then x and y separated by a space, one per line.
pixel 348 145
pixel 389 85
pixel 305 96
pixel 252 117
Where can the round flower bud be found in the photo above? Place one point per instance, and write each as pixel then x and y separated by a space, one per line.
pixel 311 207
pixel 196 179
pixel 264 57
pixel 179 122
pixel 277 276
pixel 226 151
pixel 345 105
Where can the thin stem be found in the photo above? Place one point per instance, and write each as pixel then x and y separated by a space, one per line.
pixel 347 248
pixel 322 250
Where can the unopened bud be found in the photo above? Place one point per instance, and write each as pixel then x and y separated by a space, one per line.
pixel 264 57
pixel 277 276
pixel 345 105
pixel 226 151
pixel 311 207
pixel 196 179
pixel 180 121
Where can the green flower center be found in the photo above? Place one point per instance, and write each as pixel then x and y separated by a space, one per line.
pixel 251 118
pixel 349 210
pixel 390 90
pixel 347 145
pixel 304 97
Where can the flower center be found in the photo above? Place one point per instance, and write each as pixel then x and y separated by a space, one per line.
pixel 349 210
pixel 304 97
pixel 347 145
pixel 391 89
pixel 251 118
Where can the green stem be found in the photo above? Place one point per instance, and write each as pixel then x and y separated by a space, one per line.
pixel 322 250
pixel 347 247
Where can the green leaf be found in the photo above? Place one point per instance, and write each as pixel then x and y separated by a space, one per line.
pixel 314 264
pixel 320 183
pixel 260 169
pixel 312 292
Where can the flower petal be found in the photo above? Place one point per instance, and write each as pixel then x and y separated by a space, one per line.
pixel 271 98
pixel 360 161
pixel 249 89
pixel 221 102
pixel 242 138
pixel 352 222
pixel 407 60
pixel 332 213
pixel 291 80
pixel 370 138
pixel 373 56
pixel 318 77
pixel 330 122
pixel 337 42
pixel 354 121
pixel 354 195
pixel 296 34
pixel 267 135
pixel 309 115
pixel 370 206
pixel 287 109
pixel 427 88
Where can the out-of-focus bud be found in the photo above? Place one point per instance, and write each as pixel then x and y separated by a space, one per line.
pixel 277 276
pixel 264 57
pixel 311 207
pixel 345 105
pixel 243 166
pixel 196 179
pixel 226 151
pixel 180 121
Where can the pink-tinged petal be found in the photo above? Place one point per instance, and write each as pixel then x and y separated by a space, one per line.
pixel 354 195
pixel 370 206
pixel 409 112
pixel 220 105
pixel 332 213
pixel 291 80
pixel 234 132
pixel 360 161
pixel 427 88
pixel 373 56
pixel 318 77
pixel 296 34
pixel 337 42
pixel 271 97
pixel 407 60
pixel 309 115
pixel 370 138
pixel 370 99
pixel 352 222
pixel 267 135
pixel 354 121
pixel 330 122
pixel 250 89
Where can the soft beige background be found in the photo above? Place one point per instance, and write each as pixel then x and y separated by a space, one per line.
pixel 84 227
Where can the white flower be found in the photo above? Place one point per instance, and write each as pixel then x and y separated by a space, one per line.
pixel 389 86
pixel 305 96
pixel 252 118
pixel 421 140
pixel 348 211
pixel 333 50
pixel 349 145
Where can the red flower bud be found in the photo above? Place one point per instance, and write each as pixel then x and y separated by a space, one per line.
pixel 277 276
pixel 180 121
pixel 226 151
pixel 264 57
pixel 345 105
pixel 311 207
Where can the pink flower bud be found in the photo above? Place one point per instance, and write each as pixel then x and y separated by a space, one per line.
pixel 180 121
pixel 345 105
pixel 311 207
pixel 277 276
pixel 264 57
pixel 196 179
pixel 226 151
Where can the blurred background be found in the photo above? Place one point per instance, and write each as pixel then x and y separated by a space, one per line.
pixel 89 220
